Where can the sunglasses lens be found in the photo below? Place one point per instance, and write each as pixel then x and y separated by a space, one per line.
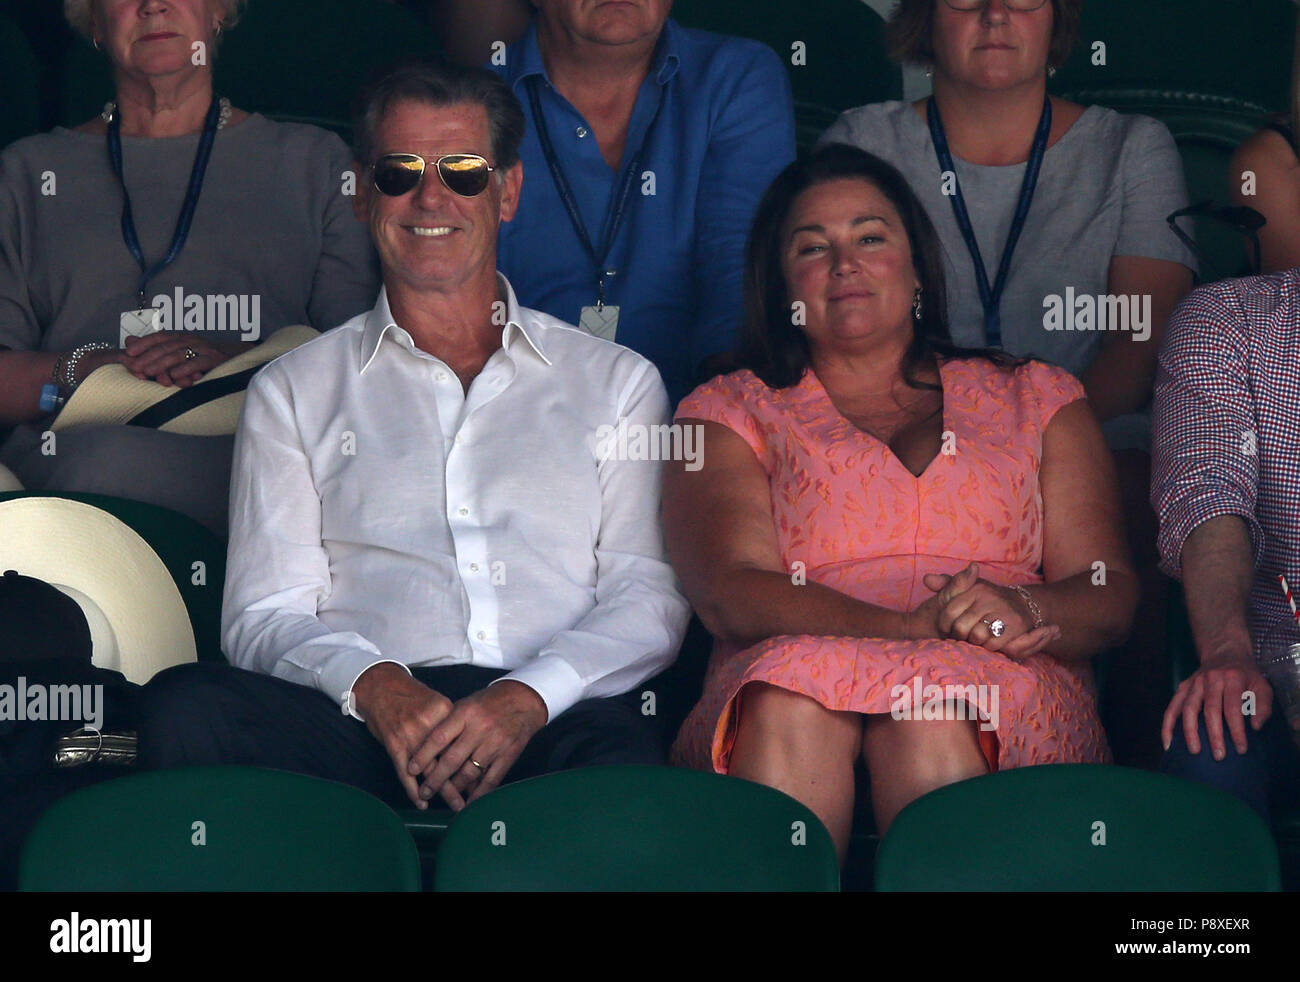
pixel 465 174
pixel 397 174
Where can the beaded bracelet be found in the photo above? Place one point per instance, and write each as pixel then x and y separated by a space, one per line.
pixel 70 366
pixel 1034 609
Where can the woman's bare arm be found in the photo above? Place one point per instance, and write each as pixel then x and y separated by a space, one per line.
pixel 1265 164
pixel 1090 591
pixel 722 542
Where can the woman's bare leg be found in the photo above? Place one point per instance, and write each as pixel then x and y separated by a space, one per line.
pixel 795 744
pixel 908 758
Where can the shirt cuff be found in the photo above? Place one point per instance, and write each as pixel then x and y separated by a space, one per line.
pixel 552 678
pixel 365 661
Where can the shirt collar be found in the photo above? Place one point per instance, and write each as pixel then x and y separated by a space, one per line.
pixel 380 321
pixel 527 56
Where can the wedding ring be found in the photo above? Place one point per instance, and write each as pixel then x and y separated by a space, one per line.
pixel 477 764
pixel 997 627
pixel 190 353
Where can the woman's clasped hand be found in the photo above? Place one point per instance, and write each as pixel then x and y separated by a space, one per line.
pixel 967 608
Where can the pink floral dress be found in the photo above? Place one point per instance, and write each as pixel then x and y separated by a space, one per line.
pixel 860 522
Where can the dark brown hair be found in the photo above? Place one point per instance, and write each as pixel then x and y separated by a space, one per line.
pixel 911 27
pixel 771 345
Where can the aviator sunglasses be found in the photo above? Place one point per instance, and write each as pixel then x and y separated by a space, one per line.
pixel 1020 5
pixel 465 174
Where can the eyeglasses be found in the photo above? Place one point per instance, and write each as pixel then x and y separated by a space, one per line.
pixel 1020 5
pixel 466 174
pixel 1245 221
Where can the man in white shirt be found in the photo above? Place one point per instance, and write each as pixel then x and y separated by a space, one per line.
pixel 429 535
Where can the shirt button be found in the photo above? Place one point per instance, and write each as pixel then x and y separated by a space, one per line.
pixel 482 635
pixel 581 131
pixel 473 567
pixel 441 376
pixel 462 511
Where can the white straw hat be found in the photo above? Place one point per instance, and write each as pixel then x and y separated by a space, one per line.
pixel 8 482
pixel 111 572
pixel 111 394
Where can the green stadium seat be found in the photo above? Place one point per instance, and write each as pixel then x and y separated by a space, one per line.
pixel 1211 79
pixel 843 54
pixel 1038 829
pixel 292 63
pixel 636 828
pixel 263 830
pixel 19 81
pixel 180 543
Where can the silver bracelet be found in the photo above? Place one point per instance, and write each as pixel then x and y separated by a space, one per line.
pixel 1034 609
pixel 70 366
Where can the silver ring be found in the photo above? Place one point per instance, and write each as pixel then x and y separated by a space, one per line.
pixel 190 353
pixel 477 764
pixel 997 627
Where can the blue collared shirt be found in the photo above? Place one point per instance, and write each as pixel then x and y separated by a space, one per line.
pixel 725 131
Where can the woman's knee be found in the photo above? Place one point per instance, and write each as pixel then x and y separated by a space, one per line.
pixel 933 749
pixel 792 717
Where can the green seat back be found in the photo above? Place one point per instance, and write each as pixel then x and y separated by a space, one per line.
pixel 636 828
pixel 20 83
pixel 262 830
pixel 300 63
pixel 842 50
pixel 1039 829
pixel 180 543
pixel 1211 79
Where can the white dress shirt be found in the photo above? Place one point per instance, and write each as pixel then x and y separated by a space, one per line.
pixel 378 512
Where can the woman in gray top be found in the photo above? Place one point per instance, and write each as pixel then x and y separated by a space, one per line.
pixel 1060 210
pixel 1095 225
pixel 117 237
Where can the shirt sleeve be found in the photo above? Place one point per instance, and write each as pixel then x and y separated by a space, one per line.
pixel 1205 461
pixel 277 571
pixel 639 619
pixel 346 281
pixel 752 141
pixel 1054 387
pixel 19 328
pixel 728 400
pixel 1153 190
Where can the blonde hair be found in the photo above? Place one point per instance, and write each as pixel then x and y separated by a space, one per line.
pixel 78 14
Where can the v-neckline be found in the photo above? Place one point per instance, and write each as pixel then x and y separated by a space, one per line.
pixel 862 434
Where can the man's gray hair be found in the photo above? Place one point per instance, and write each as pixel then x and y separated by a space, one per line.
pixel 78 14
pixel 436 83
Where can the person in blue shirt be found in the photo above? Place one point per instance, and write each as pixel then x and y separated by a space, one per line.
pixel 648 146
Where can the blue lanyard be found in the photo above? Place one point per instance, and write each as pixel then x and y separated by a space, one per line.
pixel 991 297
pixel 617 206
pixel 182 232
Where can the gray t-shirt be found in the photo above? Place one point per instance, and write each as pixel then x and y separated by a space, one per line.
pixel 1104 190
pixel 272 223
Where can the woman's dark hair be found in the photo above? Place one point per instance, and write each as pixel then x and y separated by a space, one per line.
pixel 910 31
pixel 772 345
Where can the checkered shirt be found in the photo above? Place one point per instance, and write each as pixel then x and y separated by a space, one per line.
pixel 1226 428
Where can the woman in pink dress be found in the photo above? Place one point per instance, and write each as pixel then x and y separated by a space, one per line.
pixel 905 551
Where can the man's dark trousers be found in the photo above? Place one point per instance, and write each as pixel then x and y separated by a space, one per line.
pixel 208 713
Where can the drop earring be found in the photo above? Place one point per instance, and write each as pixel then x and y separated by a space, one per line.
pixel 916 304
